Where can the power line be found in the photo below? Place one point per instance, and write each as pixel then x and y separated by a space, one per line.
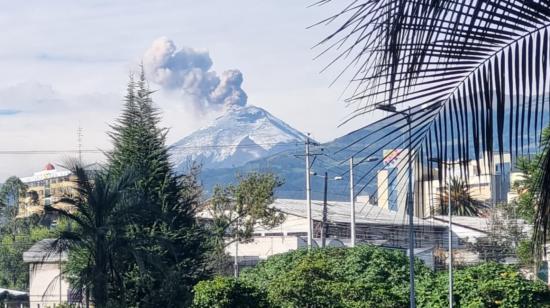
pixel 171 149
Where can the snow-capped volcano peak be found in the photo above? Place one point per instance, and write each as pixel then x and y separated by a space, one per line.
pixel 241 134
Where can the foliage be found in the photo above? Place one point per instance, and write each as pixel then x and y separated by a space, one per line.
pixel 485 285
pixel 237 209
pixel 473 73
pixel 504 234
pixel 462 202
pixel 97 229
pixel 10 193
pixel 524 251
pixel 17 236
pixel 363 276
pixel 526 187
pixel 367 276
pixel 225 292
pixel 136 242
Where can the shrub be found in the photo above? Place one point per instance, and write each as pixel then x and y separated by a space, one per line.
pixel 224 292
pixel 485 285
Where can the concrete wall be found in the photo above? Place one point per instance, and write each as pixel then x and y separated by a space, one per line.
pixel 45 287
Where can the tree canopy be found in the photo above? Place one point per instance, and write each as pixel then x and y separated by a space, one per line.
pixel 366 276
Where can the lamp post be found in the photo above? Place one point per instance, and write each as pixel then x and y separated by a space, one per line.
pixel 410 205
pixel 450 218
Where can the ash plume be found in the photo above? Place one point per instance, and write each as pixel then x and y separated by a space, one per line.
pixel 188 71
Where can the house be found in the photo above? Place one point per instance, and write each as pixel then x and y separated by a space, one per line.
pixel 13 299
pixel 47 286
pixel 374 225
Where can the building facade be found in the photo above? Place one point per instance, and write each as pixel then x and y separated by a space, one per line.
pixel 47 285
pixel 488 180
pixel 392 180
pixel 45 187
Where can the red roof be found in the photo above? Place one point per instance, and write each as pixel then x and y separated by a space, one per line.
pixel 49 166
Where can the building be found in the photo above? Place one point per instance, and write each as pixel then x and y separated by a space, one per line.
pixel 13 298
pixel 488 181
pixel 45 187
pixel 47 286
pixel 374 225
pixel 392 180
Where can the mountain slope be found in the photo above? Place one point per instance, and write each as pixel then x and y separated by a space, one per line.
pixel 240 135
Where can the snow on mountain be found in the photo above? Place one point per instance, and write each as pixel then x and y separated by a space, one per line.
pixel 240 135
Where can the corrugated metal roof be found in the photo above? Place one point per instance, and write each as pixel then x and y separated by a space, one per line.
pixel 341 212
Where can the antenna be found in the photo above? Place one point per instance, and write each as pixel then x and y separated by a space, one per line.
pixel 79 135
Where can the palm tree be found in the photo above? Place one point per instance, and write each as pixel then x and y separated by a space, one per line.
pixel 96 230
pixel 474 74
pixel 462 202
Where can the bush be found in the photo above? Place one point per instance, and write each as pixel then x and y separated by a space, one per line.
pixel 485 285
pixel 365 276
pixel 223 292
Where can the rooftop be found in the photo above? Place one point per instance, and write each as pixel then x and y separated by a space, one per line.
pixel 44 251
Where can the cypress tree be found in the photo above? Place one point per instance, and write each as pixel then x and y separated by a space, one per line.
pixel 171 245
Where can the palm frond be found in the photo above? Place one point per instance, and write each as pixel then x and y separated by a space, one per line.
pixel 482 64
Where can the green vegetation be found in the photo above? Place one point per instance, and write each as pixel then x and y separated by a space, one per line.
pixel 223 292
pixel 135 241
pixel 485 285
pixel 366 276
pixel 17 236
pixel 462 202
pixel 10 193
pixel 236 209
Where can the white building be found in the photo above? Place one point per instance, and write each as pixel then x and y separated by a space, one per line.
pixel 488 181
pixel 374 225
pixel 47 286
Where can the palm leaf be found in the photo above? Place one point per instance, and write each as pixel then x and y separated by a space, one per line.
pixel 483 64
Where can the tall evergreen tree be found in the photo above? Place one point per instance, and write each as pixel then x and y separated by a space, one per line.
pixel 169 244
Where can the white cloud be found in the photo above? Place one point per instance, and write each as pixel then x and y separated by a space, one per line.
pixel 48 120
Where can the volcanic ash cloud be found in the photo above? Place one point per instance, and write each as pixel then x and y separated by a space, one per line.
pixel 188 71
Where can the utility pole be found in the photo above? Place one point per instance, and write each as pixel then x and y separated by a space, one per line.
pixel 325 214
pixel 79 134
pixel 450 238
pixel 308 197
pixel 410 204
pixel 449 167
pixel 236 259
pixel 352 202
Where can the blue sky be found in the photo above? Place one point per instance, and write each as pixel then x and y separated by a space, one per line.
pixel 66 63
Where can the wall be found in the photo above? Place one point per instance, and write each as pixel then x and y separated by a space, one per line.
pixel 44 285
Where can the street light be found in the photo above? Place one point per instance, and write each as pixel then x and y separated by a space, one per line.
pixel 448 164
pixel 410 209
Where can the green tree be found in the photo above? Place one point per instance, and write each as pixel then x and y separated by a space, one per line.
pixel 367 276
pixel 237 209
pixel 16 238
pixel 10 193
pixel 171 247
pixel 462 202
pixel 364 276
pixel 97 232
pixel 224 292
pixel 485 285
